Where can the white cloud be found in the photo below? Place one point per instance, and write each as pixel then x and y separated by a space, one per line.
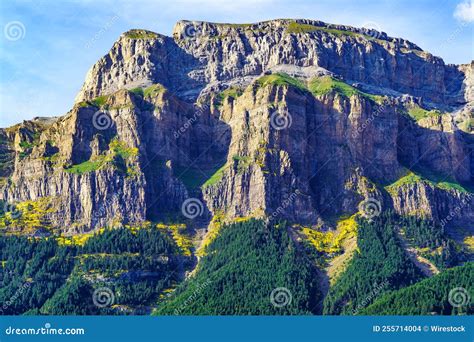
pixel 465 11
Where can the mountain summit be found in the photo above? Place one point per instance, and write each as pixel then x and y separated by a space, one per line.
pixel 206 56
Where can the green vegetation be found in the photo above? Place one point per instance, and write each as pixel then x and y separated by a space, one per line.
pixel 216 177
pixel 27 216
pixel 119 155
pixel 330 242
pixel 241 27
pixel 431 242
pixel 380 264
pixel 51 153
pixel 417 52
pixel 119 148
pixel 434 180
pixel 32 272
pixel 418 113
pixel 238 25
pixel 137 91
pixel 467 125
pixel 142 267
pixel 317 86
pixel 26 144
pixel 241 163
pixel 153 90
pixel 71 299
pixel 32 140
pixel 243 265
pixel 429 296
pixel 410 178
pixel 27 148
pixel 326 84
pixel 23 154
pixel 181 236
pixel 99 101
pixel 88 166
pixel 232 92
pixel 280 79
pixel 214 228
pixel 54 158
pixel 295 28
pixel 150 91
pixel 450 185
pixel 194 178
pixel 190 177
pixel 46 277
pixel 123 158
pixel 140 34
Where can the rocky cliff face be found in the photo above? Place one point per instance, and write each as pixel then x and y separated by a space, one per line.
pixel 295 119
pixel 449 207
pixel 207 54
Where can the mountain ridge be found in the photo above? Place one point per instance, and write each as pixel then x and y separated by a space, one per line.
pixel 192 42
pixel 226 88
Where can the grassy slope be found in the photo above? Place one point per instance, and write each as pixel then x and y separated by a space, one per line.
pixel 323 85
pixel 295 28
pixel 280 79
pixel 418 113
pixel 413 177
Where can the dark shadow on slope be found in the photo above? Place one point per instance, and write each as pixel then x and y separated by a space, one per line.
pixel 430 153
pixel 184 145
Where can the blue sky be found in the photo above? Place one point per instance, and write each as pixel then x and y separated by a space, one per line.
pixel 46 46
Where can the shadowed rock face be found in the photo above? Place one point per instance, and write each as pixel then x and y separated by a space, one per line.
pixel 291 119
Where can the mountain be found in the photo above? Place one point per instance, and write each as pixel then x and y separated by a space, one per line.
pixel 317 124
